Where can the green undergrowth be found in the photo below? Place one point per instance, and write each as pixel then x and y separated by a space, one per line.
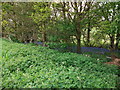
pixel 28 66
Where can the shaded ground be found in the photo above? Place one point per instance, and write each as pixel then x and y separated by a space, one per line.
pixel 90 51
pixel 96 50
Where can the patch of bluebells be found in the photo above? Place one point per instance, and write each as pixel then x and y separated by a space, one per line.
pixel 93 49
pixel 83 49
pixel 38 43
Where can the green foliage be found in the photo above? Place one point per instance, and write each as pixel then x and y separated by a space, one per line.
pixel 110 12
pixel 17 22
pixel 62 30
pixel 63 47
pixel 42 17
pixel 42 12
pixel 62 22
pixel 29 66
pixel 66 26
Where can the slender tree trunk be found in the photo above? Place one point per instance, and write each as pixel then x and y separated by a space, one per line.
pixel 112 46
pixel 44 37
pixel 63 9
pixel 88 32
pixel 88 36
pixel 117 41
pixel 78 46
pixel 78 37
pixel 34 36
pixel 112 40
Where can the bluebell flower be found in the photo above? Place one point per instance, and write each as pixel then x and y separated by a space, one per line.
pixel 39 43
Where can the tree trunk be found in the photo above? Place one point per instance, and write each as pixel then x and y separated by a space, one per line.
pixel 63 9
pixel 78 46
pixel 112 39
pixel 78 37
pixel 88 32
pixel 34 37
pixel 44 37
pixel 117 41
pixel 88 36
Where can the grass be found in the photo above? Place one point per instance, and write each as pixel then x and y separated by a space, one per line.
pixel 28 66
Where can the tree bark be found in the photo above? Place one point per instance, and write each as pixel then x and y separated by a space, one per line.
pixel 78 46
pixel 78 37
pixel 88 36
pixel 44 37
pixel 117 41
pixel 88 32
pixel 112 40
pixel 63 9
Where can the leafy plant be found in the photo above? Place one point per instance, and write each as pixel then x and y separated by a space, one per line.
pixel 30 66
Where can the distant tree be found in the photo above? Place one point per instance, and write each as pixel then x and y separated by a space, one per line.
pixel 75 13
pixel 110 22
pixel 41 17
pixel 17 21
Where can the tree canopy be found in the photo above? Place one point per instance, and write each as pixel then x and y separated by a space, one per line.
pixel 81 23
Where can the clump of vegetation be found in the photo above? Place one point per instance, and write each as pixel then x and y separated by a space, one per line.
pixel 30 66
